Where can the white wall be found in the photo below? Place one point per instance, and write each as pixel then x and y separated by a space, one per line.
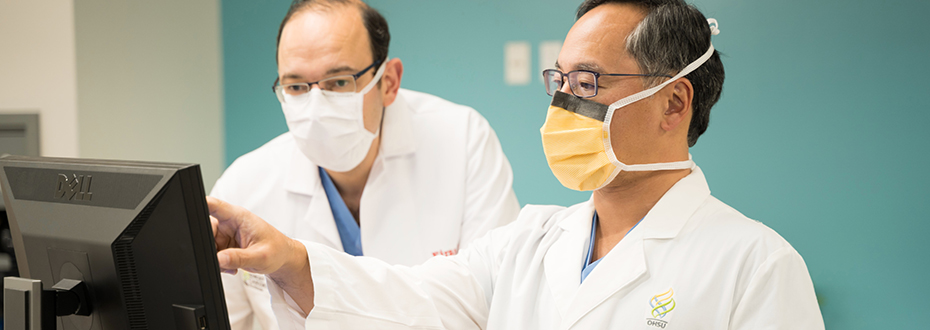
pixel 117 79
pixel 149 77
pixel 37 69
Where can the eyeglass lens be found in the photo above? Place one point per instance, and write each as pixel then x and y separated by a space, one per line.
pixel 581 83
pixel 553 81
pixel 338 84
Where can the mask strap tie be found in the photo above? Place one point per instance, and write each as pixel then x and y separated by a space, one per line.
pixel 371 84
pixel 714 26
pixel 714 30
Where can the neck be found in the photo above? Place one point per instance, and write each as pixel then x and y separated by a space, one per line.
pixel 631 195
pixel 625 201
pixel 351 184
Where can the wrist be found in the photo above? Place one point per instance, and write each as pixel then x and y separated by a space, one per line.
pixel 296 263
pixel 294 275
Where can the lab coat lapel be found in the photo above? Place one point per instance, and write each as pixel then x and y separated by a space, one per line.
pixel 304 182
pixel 564 259
pixel 388 211
pixel 618 270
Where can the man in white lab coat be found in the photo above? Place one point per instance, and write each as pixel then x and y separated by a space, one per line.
pixel 366 167
pixel 651 249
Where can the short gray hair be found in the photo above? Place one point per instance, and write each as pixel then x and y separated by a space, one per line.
pixel 672 35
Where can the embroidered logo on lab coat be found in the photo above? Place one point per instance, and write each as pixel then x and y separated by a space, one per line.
pixel 660 308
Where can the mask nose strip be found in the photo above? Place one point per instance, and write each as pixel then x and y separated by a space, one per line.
pixel 579 105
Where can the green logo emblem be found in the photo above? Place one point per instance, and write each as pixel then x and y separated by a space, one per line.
pixel 662 304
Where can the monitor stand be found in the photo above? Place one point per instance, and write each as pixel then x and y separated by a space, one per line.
pixel 27 306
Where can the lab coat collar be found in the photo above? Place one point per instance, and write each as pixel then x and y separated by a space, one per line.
pixel 302 175
pixel 396 140
pixel 580 220
pixel 673 210
pixel 397 130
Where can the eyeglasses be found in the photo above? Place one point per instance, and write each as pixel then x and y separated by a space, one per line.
pixel 582 83
pixel 337 84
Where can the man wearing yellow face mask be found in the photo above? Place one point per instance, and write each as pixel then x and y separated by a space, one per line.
pixel 652 249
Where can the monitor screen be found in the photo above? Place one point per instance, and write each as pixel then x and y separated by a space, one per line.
pixel 137 234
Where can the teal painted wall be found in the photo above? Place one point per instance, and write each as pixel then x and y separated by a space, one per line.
pixel 821 132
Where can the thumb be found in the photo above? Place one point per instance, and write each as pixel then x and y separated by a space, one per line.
pixel 234 258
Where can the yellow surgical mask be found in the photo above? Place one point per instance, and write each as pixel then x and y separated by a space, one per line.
pixel 576 140
pixel 573 139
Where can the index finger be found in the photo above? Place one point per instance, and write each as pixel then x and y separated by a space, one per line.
pixel 223 211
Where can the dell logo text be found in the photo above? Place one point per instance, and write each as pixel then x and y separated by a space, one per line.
pixel 76 188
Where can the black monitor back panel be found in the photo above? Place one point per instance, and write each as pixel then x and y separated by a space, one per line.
pixel 138 234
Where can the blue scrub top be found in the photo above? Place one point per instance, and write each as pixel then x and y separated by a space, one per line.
pixel 588 265
pixel 349 232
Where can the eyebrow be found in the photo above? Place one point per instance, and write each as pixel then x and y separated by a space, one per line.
pixel 340 69
pixel 584 66
pixel 589 67
pixel 291 76
pixel 332 71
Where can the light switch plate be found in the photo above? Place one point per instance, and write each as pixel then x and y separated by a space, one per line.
pixel 517 63
pixel 548 55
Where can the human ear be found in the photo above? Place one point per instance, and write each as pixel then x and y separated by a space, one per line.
pixel 678 106
pixel 390 80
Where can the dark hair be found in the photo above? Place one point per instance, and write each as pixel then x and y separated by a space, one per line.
pixel 671 36
pixel 378 34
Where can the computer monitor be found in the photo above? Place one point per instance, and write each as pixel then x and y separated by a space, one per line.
pixel 137 234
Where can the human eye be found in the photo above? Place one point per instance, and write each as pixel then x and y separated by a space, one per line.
pixel 296 89
pixel 339 84
pixel 587 82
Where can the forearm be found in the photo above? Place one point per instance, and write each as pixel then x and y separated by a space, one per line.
pixel 361 292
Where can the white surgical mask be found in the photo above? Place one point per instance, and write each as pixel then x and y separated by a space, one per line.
pixel 329 127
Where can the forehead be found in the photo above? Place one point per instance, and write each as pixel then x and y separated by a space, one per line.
pixel 325 36
pixel 598 39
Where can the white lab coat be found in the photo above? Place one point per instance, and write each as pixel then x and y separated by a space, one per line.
pixel 440 181
pixel 723 270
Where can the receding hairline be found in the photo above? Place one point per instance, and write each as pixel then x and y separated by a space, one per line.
pixel 326 6
pixel 329 6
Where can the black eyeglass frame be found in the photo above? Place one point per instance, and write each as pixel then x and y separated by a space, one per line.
pixel 597 75
pixel 354 76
